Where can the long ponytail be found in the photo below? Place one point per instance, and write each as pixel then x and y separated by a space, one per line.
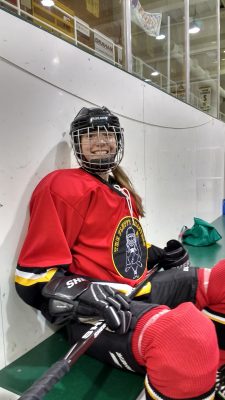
pixel 123 180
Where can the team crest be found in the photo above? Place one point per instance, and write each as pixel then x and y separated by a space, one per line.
pixel 129 251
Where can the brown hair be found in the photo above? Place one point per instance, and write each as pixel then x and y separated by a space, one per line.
pixel 123 180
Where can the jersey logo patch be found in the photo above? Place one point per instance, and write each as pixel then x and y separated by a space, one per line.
pixel 129 249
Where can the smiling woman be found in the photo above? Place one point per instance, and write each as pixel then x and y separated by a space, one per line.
pixel 97 140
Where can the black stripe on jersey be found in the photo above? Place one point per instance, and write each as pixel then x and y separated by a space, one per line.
pixel 41 270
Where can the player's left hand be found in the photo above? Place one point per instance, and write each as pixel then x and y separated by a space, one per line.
pixel 174 256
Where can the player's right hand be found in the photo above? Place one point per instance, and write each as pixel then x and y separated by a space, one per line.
pixel 74 297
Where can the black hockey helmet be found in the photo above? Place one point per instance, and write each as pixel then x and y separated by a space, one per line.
pixel 101 121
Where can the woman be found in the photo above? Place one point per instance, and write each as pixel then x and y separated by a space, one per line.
pixel 85 244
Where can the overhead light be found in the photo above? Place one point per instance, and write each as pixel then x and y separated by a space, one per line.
pixel 147 80
pixel 194 27
pixel 47 3
pixel 160 37
pixel 155 73
pixel 56 60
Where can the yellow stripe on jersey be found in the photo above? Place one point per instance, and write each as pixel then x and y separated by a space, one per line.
pixel 127 289
pixel 148 245
pixel 146 289
pixel 28 278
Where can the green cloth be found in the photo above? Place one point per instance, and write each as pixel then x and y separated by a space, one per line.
pixel 201 234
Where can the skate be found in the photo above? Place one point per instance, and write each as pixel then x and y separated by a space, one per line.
pixel 220 383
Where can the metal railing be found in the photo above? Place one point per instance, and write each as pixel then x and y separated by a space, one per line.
pixel 70 27
pixel 104 47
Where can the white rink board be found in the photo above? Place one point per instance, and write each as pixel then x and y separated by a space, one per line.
pixel 2 350
pixel 6 395
pixel 174 153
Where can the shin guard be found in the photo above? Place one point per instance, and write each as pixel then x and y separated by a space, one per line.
pixel 110 347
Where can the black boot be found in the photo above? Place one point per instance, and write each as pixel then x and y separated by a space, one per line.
pixel 220 383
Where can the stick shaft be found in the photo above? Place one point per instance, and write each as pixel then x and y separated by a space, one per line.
pixel 43 385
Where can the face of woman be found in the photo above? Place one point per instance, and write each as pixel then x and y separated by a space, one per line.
pixel 100 144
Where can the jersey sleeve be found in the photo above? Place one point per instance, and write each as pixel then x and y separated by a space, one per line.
pixel 53 229
pixel 29 283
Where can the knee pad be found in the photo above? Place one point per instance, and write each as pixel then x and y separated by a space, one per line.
pixel 110 347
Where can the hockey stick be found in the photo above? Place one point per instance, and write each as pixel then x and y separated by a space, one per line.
pixel 45 383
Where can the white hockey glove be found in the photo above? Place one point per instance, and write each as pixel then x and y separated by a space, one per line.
pixel 74 298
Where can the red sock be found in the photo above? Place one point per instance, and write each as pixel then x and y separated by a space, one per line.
pixel 179 350
pixel 139 330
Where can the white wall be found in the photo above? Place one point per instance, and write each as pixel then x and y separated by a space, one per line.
pixel 174 153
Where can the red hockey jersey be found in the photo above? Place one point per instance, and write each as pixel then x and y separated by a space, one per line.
pixel 79 220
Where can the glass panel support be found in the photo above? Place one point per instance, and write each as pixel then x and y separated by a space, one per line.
pixel 127 35
pixel 218 56
pixel 168 54
pixel 18 6
pixel 187 49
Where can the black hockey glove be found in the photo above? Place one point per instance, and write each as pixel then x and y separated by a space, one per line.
pixel 77 298
pixel 155 255
pixel 174 256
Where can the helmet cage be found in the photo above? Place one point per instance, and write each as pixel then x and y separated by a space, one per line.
pixel 100 134
pixel 97 124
